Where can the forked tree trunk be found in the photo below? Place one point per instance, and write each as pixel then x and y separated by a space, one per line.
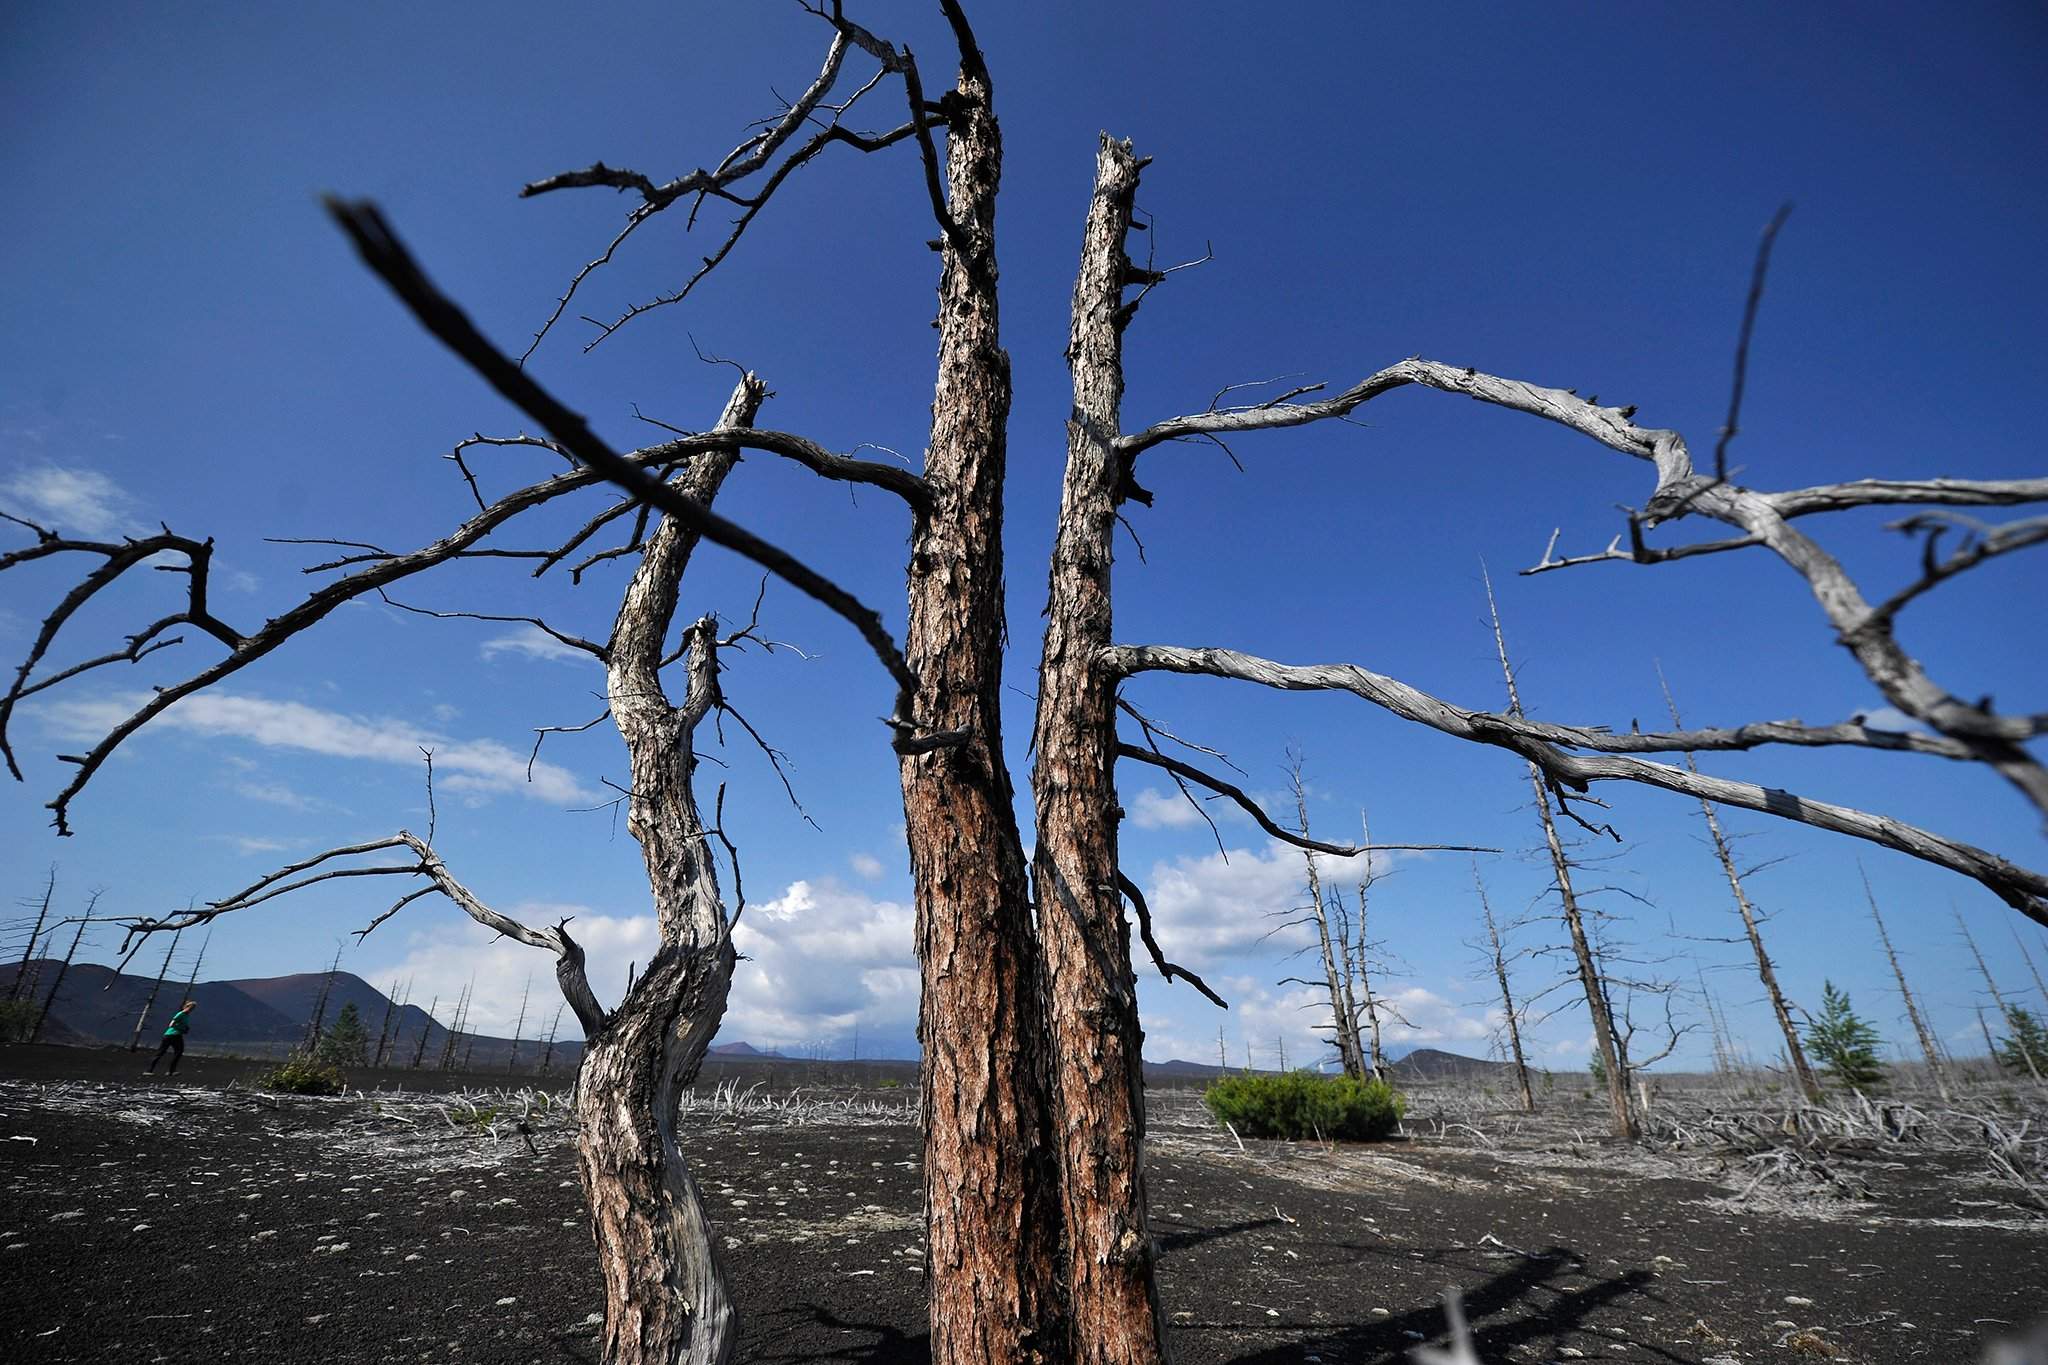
pixel 990 1187
pixel 1092 999
pixel 666 1300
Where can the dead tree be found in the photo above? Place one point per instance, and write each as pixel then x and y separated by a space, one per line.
pixel 318 1019
pixel 419 1051
pixel 1606 1037
pixel 1795 1054
pixel 1511 1021
pixel 1038 1243
pixel 49 1001
pixel 547 1056
pixel 384 1034
pixel 1336 978
pixel 1937 1066
pixel 1998 999
pixel 149 1003
pixel 455 1026
pixel 2040 986
pixel 192 977
pixel 20 982
pixel 1357 949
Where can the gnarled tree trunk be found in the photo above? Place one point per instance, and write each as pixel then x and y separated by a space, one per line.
pixel 666 1300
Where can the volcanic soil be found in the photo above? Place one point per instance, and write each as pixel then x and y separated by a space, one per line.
pixel 149 1220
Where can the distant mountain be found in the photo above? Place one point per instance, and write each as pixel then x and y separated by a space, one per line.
pixel 744 1050
pixel 1429 1064
pixel 98 1007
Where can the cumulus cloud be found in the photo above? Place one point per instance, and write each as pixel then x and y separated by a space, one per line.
pixel 817 961
pixel 478 766
pixel 1156 809
pixel 823 959
pixel 531 642
pixel 71 501
pixel 1214 908
pixel 442 958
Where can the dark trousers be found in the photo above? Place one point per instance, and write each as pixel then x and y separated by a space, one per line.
pixel 173 1043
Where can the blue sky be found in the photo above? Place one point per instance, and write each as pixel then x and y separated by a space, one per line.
pixel 1570 197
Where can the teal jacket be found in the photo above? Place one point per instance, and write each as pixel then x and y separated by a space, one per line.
pixel 177 1026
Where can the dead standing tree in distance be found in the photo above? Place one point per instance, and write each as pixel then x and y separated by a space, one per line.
pixel 1937 1065
pixel 1036 1194
pixel 1795 1053
pixel 1998 998
pixel 20 983
pixel 1511 1019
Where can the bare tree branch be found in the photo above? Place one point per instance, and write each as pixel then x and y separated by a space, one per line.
pixel 589 647
pixel 1679 491
pixel 1749 311
pixel 386 255
pixel 2024 890
pixel 1265 821
pixel 1169 970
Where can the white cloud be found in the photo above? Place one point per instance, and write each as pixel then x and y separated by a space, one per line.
pixel 823 958
pixel 480 766
pixel 1889 718
pixel 274 794
pixel 1156 809
pixel 249 845
pixel 78 502
pixel 866 866
pixel 1211 909
pixel 531 642
pixel 817 961
pixel 441 959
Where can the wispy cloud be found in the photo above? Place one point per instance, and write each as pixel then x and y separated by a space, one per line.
pixel 531 642
pixel 866 866
pixel 477 766
pixel 71 501
pixel 249 845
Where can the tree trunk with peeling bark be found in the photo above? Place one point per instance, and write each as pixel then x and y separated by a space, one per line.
pixel 991 1204
pixel 666 1300
pixel 1092 998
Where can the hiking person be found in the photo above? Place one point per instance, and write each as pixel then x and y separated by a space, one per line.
pixel 174 1040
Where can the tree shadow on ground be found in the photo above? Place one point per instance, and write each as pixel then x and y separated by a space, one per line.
pixel 1181 1241
pixel 886 1343
pixel 1507 1309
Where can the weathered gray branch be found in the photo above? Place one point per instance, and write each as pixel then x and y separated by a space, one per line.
pixel 1679 491
pixel 2025 890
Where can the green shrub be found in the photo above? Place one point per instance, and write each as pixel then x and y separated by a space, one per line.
pixel 1301 1104
pixel 299 1074
pixel 17 1020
